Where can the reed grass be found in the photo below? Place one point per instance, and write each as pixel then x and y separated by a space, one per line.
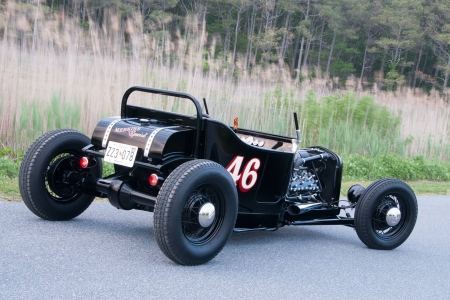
pixel 70 76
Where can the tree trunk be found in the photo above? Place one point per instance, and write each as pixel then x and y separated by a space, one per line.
pixel 202 39
pixel 35 25
pixel 63 11
pixel 312 48
pixel 294 54
pixel 226 45
pixel 416 66
pixel 364 63
pixel 402 69
pixel 320 48
pixel 305 59
pixel 299 65
pixel 283 43
pixel 100 17
pixel 444 87
pixel 259 32
pixel 84 11
pixel 330 56
pixel 236 31
pixel 251 35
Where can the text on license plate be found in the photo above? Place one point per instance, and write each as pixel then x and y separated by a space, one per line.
pixel 120 154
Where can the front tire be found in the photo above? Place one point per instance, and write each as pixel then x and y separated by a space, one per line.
pixel 50 173
pixel 386 214
pixel 195 212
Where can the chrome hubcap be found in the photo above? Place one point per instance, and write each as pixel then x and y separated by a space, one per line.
pixel 393 216
pixel 206 214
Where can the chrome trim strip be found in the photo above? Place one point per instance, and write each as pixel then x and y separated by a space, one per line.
pixel 152 137
pixel 108 131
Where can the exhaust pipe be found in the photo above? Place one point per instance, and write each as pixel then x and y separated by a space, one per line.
pixel 301 208
pixel 120 194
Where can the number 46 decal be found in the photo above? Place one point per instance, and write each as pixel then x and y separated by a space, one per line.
pixel 247 179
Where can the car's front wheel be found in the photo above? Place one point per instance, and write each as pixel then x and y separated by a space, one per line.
pixel 195 212
pixel 386 214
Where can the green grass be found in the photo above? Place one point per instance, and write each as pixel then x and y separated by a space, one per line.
pixel 420 187
pixel 424 176
pixel 9 188
pixel 36 118
pixel 391 165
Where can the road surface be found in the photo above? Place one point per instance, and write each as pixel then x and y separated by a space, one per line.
pixel 110 254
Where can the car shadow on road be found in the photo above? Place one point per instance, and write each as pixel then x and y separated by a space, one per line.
pixel 298 235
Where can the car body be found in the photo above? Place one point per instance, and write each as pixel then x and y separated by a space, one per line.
pixel 204 179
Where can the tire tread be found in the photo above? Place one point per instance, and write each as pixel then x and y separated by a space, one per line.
pixel 363 213
pixel 31 157
pixel 165 201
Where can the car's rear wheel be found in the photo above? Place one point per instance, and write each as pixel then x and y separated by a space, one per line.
pixel 50 173
pixel 195 212
pixel 386 214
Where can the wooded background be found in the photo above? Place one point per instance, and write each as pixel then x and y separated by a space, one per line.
pixel 381 43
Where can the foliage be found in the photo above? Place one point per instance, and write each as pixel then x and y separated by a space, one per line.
pixel 391 165
pixel 36 119
pixel 348 125
pixel 9 167
pixel 396 38
pixel 420 187
pixel 9 162
pixel 434 175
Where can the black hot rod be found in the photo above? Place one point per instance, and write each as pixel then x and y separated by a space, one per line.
pixel 203 179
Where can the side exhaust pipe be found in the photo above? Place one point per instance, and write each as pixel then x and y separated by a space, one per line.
pixel 301 208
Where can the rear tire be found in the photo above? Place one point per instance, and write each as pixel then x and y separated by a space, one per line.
pixel 50 173
pixel 386 214
pixel 195 212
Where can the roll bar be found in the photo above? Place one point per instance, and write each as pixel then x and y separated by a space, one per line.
pixel 167 93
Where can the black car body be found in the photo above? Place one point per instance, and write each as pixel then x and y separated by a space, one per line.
pixel 203 179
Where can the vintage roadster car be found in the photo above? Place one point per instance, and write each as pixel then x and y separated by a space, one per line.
pixel 203 179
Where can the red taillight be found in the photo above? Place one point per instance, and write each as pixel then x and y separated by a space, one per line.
pixel 153 179
pixel 84 162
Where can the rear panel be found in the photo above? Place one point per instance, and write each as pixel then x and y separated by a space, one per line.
pixel 271 168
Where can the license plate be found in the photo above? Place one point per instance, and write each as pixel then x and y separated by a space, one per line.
pixel 120 154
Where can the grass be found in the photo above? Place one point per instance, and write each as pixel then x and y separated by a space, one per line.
pixel 390 165
pixel 9 188
pixel 10 163
pixel 420 187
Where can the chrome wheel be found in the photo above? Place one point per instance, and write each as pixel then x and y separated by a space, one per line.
pixel 387 218
pixel 202 215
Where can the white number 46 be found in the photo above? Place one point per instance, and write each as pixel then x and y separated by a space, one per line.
pixel 247 179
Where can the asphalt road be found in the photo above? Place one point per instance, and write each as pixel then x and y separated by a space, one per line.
pixel 110 254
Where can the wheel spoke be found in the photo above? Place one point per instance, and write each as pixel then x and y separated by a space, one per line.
pixel 379 217
pixel 192 229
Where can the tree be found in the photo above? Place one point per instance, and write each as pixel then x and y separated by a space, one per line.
pixel 302 29
pixel 401 32
pixel 439 33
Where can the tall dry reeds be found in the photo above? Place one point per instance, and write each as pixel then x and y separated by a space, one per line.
pixel 55 73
